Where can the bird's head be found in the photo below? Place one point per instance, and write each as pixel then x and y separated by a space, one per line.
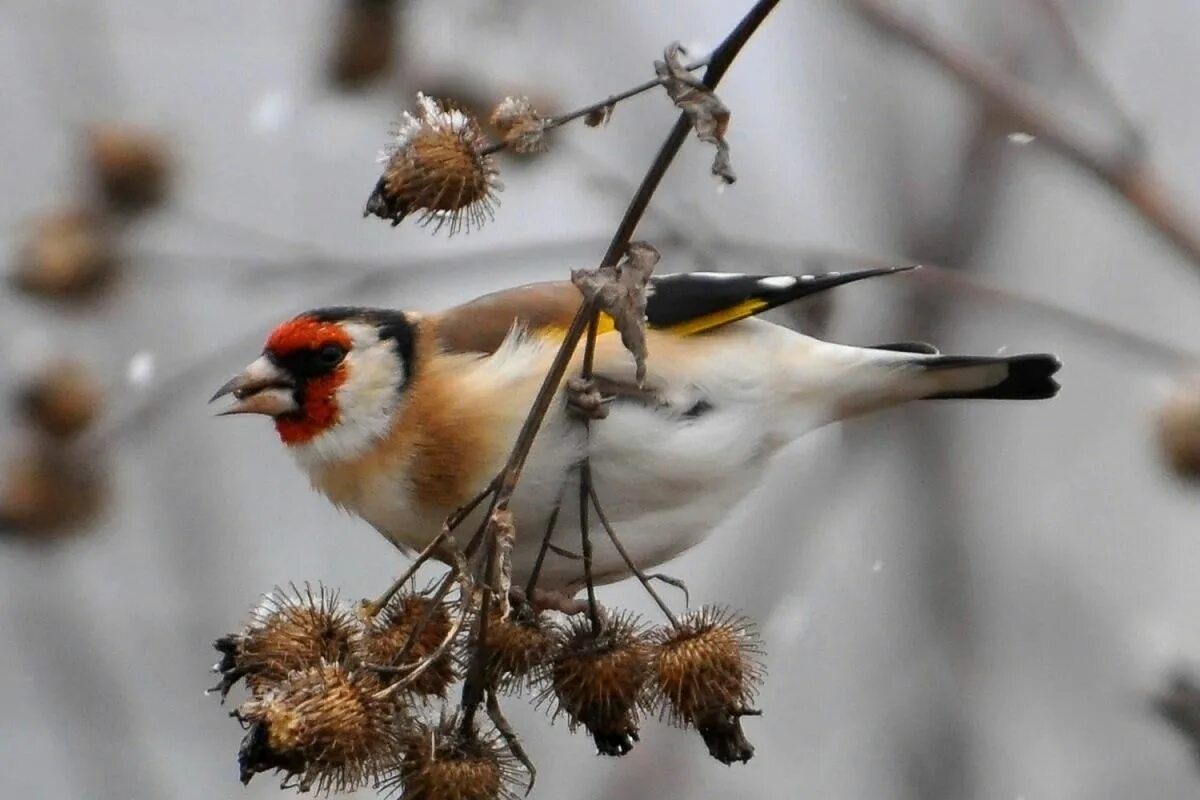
pixel 331 379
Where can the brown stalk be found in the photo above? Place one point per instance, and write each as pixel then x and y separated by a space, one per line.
pixel 557 122
pixel 634 568
pixel 586 320
pixel 1123 171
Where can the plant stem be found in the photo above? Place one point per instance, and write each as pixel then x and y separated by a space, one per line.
pixel 585 319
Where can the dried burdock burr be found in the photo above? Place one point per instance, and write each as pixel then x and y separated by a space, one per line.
pixel 385 642
pixel 326 727
pixel 1179 430
pixel 130 167
pixel 523 128
pixel 47 493
pixel 598 679
pixel 290 630
pixel 436 169
pixel 447 762
pixel 706 673
pixel 62 399
pixel 365 44
pixel 69 255
pixel 1178 703
pixel 520 648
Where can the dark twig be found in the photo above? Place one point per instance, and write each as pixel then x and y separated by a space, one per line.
pixel 510 738
pixel 673 582
pixel 722 57
pixel 1133 139
pixel 629 562
pixel 557 122
pixel 1130 179
pixel 541 556
pixel 585 539
pixel 438 595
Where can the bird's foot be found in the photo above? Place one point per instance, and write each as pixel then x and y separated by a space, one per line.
pixel 562 602
pixel 584 399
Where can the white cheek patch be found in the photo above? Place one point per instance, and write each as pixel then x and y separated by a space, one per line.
pixel 367 401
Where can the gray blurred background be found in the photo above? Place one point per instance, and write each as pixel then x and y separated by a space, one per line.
pixel 958 601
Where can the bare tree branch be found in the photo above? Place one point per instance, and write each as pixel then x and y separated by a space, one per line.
pixel 1130 178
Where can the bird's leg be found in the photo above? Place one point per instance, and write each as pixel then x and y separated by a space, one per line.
pixel 510 738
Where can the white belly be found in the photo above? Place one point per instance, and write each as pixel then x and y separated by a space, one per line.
pixel 664 482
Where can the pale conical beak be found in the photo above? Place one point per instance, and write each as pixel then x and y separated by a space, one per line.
pixel 262 388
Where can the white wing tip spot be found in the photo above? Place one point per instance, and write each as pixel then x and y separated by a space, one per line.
pixel 778 282
pixel 719 276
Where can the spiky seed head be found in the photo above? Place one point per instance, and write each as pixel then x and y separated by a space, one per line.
pixel 1179 430
pixel 444 762
pixel 130 167
pixel 364 45
pixel 69 255
pixel 520 648
pixel 47 493
pixel 706 673
pixel 385 639
pixel 62 400
pixel 598 679
pixel 325 726
pixel 436 169
pixel 290 630
pixel 523 128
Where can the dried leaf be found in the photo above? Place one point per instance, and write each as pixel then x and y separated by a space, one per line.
pixel 621 293
pixel 598 116
pixel 709 116
pixel 504 528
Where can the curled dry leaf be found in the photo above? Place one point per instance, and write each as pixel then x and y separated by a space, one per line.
pixel 620 292
pixel 504 528
pixel 709 116
pixel 598 116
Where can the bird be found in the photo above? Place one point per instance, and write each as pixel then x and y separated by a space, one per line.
pixel 402 417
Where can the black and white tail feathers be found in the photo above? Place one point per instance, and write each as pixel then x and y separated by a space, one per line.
pixel 1030 377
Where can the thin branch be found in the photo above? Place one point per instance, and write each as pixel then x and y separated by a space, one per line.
pixel 442 590
pixel 541 556
pixel 629 562
pixel 722 57
pixel 720 61
pixel 557 122
pixel 1134 140
pixel 510 738
pixel 585 539
pixel 417 670
pixel 1130 179
pixel 371 610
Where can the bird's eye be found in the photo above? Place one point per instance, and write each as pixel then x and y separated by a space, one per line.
pixel 330 355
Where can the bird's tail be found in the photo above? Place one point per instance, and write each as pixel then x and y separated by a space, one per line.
pixel 1023 377
pixel 916 371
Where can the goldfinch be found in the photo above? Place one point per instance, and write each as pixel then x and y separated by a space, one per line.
pixel 402 417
